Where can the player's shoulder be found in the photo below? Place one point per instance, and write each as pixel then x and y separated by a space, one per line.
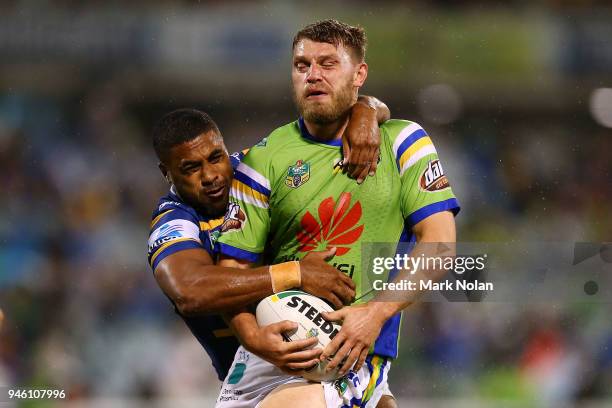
pixel 279 137
pixel 400 134
pixel 394 127
pixel 261 153
pixel 170 207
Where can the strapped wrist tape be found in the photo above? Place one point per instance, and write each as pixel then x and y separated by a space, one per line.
pixel 285 276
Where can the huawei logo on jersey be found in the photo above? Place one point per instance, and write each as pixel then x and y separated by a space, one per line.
pixel 336 226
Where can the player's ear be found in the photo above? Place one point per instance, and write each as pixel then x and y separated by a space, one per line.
pixel 360 75
pixel 164 171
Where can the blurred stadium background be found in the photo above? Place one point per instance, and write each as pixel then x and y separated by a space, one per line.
pixel 516 94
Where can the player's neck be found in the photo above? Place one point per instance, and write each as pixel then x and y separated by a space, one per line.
pixel 326 132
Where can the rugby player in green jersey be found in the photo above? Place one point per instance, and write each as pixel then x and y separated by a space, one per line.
pixel 295 201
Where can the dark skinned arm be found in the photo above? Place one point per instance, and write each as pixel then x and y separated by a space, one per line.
pixel 197 286
pixel 361 139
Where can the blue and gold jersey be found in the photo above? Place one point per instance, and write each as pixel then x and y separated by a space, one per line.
pixel 177 226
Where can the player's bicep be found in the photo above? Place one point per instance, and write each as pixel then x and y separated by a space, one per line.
pixel 175 272
pixel 438 227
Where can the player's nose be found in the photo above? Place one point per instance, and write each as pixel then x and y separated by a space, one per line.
pixel 314 73
pixel 208 177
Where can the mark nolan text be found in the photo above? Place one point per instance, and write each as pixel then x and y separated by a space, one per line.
pixel 406 284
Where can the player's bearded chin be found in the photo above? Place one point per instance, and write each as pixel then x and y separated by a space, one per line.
pixel 324 113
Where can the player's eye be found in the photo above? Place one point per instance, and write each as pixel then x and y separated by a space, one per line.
pixel 301 67
pixel 190 168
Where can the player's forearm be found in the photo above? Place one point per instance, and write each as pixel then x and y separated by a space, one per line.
pixel 383 113
pixel 198 289
pixel 245 327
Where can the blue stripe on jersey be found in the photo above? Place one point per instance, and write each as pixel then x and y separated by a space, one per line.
pixel 179 246
pixel 172 213
pixel 238 253
pixel 306 135
pixel 251 183
pixel 419 215
pixel 416 135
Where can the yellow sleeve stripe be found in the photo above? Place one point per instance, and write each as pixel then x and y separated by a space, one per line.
pixel 422 142
pixel 208 225
pixel 246 194
pixel 166 245
pixel 416 146
pixel 156 219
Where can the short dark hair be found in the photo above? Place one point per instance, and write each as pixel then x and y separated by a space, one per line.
pixel 336 33
pixel 179 126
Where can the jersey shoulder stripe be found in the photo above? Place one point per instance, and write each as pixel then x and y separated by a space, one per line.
pixel 159 217
pixel 185 243
pixel 241 191
pixel 411 144
pixel 171 231
pixel 252 178
pixel 175 226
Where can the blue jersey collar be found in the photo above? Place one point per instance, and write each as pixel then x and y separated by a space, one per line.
pixel 306 135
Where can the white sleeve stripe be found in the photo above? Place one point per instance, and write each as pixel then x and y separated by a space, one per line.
pixel 251 173
pixel 248 199
pixel 174 229
pixel 404 134
pixel 419 154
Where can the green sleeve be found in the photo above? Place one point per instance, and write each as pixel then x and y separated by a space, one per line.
pixel 425 187
pixel 247 221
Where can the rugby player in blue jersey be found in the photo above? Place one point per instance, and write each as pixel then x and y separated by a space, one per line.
pixel 186 222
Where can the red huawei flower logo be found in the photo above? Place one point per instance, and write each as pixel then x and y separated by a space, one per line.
pixel 335 228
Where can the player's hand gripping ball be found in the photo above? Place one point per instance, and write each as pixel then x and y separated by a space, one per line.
pixel 305 310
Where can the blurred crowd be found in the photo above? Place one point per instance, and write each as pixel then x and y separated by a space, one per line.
pixel 79 181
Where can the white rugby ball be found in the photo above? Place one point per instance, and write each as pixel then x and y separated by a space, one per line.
pixel 305 310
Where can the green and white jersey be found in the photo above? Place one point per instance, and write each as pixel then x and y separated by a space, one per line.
pixel 290 197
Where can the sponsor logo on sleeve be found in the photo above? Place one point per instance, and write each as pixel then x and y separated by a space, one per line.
pixel 433 178
pixel 234 218
pixel 172 231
